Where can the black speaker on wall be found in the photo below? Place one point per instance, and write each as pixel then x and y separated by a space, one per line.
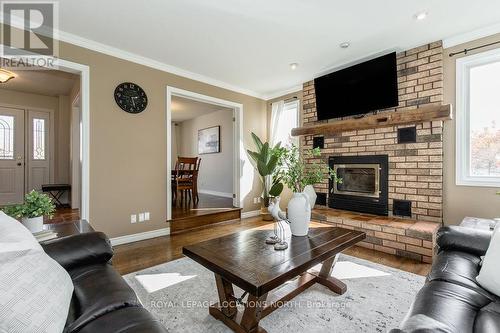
pixel 407 135
pixel 401 208
pixel 319 142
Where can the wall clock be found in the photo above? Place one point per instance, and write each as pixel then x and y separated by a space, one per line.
pixel 130 97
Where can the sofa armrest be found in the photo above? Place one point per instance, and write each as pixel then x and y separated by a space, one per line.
pixel 78 250
pixel 474 241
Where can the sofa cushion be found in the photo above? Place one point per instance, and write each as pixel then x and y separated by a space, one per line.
pixel 99 289
pixel 460 268
pixel 35 293
pixel 444 307
pixel 489 276
pixel 14 236
pixel 488 319
pixel 131 319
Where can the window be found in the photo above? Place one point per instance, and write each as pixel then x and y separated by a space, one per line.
pixel 6 137
pixel 38 139
pixel 284 117
pixel 478 120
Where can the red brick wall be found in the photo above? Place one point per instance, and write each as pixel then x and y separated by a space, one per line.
pixel 415 169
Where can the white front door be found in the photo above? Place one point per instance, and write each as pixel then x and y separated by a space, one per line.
pixel 11 156
pixel 38 154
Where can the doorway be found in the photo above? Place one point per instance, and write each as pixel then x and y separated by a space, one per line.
pixel 235 110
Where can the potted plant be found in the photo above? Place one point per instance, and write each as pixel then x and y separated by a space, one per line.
pixel 299 172
pixel 265 160
pixel 36 205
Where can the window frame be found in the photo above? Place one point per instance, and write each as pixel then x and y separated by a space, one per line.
pixel 463 154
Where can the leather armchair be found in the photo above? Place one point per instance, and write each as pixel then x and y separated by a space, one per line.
pixel 451 300
pixel 102 300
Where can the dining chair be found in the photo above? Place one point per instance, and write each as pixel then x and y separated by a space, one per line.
pixel 185 178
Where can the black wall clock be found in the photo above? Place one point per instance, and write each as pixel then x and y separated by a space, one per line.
pixel 130 97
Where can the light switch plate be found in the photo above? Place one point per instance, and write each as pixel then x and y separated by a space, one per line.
pixel 133 218
pixel 146 216
pixel 141 217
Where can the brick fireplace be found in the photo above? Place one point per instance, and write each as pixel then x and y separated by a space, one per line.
pixel 415 169
pixel 415 166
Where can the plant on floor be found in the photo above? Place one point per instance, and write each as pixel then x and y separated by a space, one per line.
pixel 35 205
pixel 266 161
pixel 299 170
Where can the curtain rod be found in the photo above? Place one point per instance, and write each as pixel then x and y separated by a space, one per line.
pixel 465 51
pixel 290 99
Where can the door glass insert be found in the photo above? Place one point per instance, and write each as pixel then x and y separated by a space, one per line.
pixel 38 139
pixel 357 180
pixel 6 137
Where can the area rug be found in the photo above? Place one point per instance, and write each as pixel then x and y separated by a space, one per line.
pixel 377 299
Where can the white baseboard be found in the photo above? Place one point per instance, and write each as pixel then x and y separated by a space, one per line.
pixel 139 236
pixel 217 193
pixel 251 213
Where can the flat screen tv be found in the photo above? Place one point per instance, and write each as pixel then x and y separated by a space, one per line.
pixel 359 89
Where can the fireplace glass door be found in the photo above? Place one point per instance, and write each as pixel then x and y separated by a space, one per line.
pixel 358 179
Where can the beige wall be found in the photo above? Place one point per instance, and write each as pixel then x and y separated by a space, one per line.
pixel 286 195
pixel 461 201
pixel 216 170
pixel 128 152
pixel 61 123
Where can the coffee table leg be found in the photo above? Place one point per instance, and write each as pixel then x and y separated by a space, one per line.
pixel 227 301
pixel 324 278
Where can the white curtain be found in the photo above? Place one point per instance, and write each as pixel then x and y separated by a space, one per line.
pixel 284 117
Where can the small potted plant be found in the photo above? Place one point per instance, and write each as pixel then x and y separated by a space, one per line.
pixel 299 172
pixel 265 160
pixel 36 205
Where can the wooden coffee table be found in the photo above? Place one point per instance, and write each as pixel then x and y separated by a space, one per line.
pixel 243 259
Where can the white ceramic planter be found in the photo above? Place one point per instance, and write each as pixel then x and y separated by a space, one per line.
pixel 299 214
pixel 311 193
pixel 34 224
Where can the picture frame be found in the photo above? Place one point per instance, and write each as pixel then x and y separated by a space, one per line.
pixel 209 140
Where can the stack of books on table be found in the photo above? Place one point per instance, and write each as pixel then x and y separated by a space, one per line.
pixel 45 235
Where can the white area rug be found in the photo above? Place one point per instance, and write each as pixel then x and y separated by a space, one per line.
pixel 377 299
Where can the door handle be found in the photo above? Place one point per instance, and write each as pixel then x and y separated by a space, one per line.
pixel 19 164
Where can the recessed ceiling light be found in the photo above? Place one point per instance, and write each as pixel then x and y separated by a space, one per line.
pixel 421 16
pixel 294 66
pixel 345 45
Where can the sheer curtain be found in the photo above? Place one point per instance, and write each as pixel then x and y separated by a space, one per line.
pixel 284 117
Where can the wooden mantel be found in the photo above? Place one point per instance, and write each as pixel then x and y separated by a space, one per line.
pixel 385 119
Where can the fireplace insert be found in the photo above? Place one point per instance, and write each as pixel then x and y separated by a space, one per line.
pixel 364 186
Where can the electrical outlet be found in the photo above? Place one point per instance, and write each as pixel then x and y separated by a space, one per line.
pixel 258 200
pixel 146 216
pixel 141 217
pixel 133 218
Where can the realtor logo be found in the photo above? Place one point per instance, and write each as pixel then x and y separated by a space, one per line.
pixel 29 29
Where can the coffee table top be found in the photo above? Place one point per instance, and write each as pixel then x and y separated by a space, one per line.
pixel 247 261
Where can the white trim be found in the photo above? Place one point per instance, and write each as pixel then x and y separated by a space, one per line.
pixel 139 236
pixel 283 92
pixel 217 193
pixel 139 59
pixel 462 143
pixel 237 137
pixel 471 35
pixel 252 213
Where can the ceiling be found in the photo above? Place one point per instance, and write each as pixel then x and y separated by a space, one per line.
pixel 185 109
pixel 248 44
pixel 42 82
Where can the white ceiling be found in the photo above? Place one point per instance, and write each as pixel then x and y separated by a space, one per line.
pixel 249 44
pixel 185 109
pixel 42 82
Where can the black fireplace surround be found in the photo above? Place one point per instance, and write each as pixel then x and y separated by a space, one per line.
pixel 364 186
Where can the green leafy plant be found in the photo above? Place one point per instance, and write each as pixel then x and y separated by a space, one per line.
pixel 35 204
pixel 299 170
pixel 265 160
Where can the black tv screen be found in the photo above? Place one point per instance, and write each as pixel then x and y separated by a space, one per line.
pixel 365 87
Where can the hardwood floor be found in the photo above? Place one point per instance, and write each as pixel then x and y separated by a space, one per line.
pixel 139 255
pixel 64 215
pixel 207 203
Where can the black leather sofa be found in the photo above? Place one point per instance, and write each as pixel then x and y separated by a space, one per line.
pixel 451 300
pixel 102 300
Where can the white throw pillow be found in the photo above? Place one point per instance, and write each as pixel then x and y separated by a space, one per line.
pixel 489 275
pixel 35 293
pixel 14 236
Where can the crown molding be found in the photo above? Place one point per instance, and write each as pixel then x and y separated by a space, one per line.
pixel 138 59
pixel 283 92
pixel 471 35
